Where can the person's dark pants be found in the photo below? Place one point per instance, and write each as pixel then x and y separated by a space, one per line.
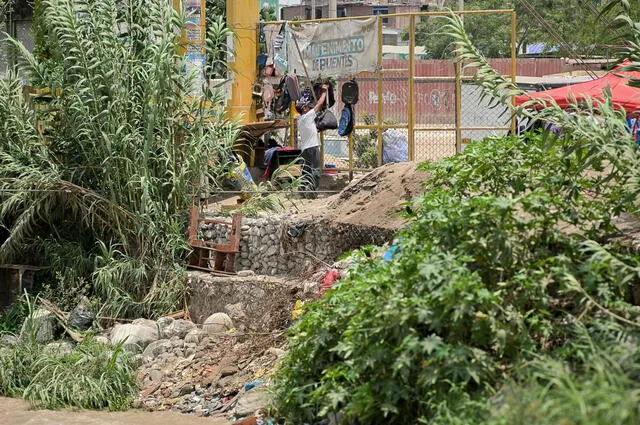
pixel 311 170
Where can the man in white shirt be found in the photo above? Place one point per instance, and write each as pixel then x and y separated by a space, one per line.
pixel 309 142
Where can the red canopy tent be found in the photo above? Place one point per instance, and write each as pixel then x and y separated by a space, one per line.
pixel 623 95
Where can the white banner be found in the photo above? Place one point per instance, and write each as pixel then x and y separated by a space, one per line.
pixel 334 49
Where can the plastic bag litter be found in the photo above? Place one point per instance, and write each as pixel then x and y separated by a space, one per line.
pixel 298 309
pixel 81 317
pixel 395 146
pixel 240 178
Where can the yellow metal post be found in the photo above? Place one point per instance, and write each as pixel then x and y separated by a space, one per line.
pixel 351 155
pixel 458 67
pixel 322 151
pixel 412 87
pixel 177 5
pixel 380 88
pixel 292 126
pixel 458 107
pixel 514 64
pixel 243 17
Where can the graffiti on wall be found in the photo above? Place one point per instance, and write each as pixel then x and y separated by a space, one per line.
pixel 437 99
pixel 433 102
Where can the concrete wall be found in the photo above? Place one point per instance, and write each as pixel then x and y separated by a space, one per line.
pixel 293 12
pixel 267 249
pixel 12 285
pixel 250 301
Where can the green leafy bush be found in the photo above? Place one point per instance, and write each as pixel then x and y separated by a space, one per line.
pixel 483 277
pixel 512 240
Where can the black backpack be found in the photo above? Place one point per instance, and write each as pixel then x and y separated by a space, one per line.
pixel 331 98
pixel 350 92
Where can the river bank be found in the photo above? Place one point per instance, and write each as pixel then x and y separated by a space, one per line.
pixel 16 412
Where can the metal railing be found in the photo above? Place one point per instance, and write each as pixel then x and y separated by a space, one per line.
pixel 431 102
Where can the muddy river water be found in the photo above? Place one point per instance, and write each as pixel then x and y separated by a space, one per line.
pixel 16 412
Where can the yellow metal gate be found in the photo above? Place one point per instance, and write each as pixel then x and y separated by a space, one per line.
pixel 430 102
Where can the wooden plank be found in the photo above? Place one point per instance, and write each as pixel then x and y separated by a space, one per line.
pixel 215 221
pixel 22 267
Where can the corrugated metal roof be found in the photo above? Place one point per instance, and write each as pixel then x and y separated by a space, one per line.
pixel 539 48
pixel 403 50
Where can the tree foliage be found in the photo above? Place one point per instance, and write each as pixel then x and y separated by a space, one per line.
pixel 538 21
pixel 216 8
pixel 4 5
pixel 268 13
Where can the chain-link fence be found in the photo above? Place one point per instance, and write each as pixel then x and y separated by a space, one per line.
pixel 419 97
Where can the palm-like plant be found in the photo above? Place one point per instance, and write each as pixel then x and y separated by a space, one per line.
pixel 120 150
pixel 605 143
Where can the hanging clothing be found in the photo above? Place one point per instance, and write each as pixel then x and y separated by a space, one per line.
pixel 331 98
pixel 634 128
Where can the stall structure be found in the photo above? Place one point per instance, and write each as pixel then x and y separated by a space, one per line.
pixel 623 95
pixel 431 107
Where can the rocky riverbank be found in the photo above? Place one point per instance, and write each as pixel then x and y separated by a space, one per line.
pixel 217 366
pixel 208 371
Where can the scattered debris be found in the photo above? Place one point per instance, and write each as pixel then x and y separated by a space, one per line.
pixel 81 317
pixel 215 376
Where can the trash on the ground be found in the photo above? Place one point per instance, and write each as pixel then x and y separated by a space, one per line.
pixel 252 385
pixel 81 317
pixel 298 309
pixel 296 230
pixel 329 280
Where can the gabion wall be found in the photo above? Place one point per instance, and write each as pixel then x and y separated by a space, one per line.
pixel 280 245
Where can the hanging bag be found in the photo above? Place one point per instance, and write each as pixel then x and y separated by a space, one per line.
pixel 292 86
pixel 331 98
pixel 346 121
pixel 284 101
pixel 350 92
pixel 325 120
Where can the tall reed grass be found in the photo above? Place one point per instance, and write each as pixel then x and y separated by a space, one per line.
pixel 112 161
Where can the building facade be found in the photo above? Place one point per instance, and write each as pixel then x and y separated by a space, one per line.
pixel 349 8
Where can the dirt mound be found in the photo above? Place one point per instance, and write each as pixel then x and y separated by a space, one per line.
pixel 373 200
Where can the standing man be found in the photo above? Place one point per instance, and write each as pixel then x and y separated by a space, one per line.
pixel 309 142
